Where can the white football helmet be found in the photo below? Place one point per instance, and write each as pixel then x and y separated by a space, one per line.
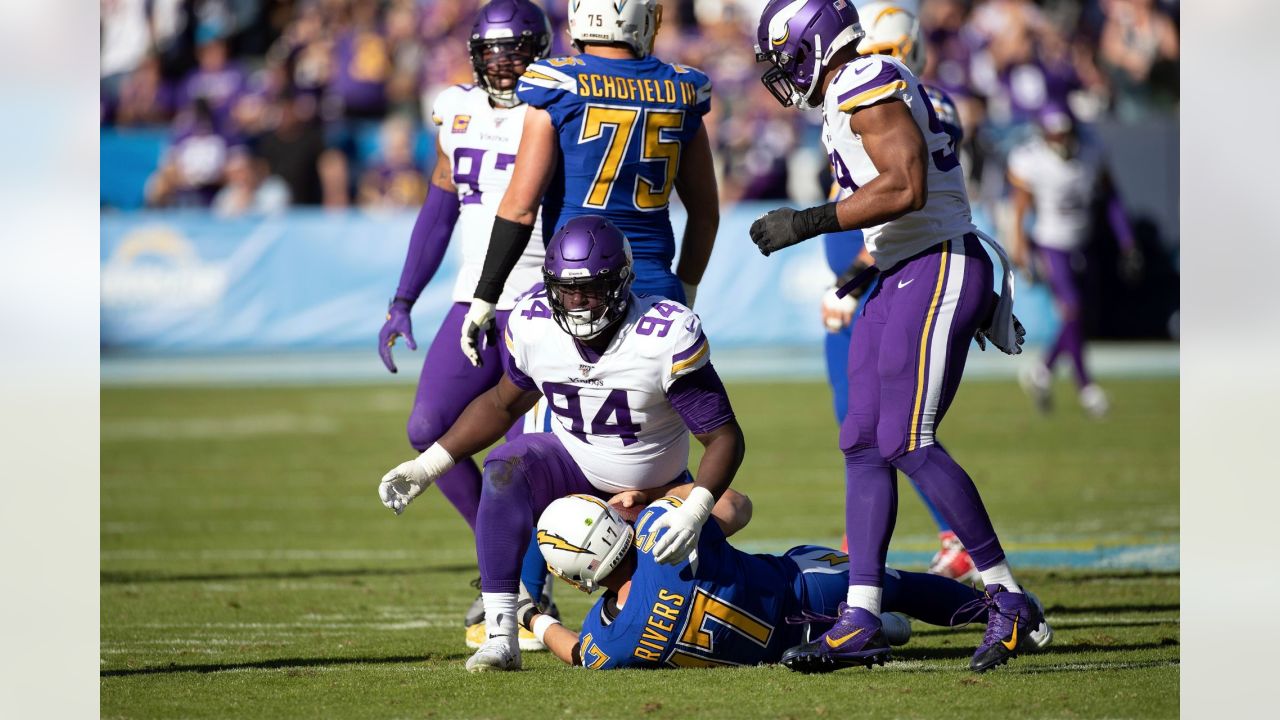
pixel 631 22
pixel 892 30
pixel 583 540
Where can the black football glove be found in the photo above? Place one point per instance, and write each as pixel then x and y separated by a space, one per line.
pixel 785 227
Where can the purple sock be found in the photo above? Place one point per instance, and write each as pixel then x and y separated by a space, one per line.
pixel 871 509
pixel 1072 338
pixel 951 489
pixel 461 487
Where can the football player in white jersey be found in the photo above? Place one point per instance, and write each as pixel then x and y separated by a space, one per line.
pixel 1059 173
pixel 479 129
pixel 909 346
pixel 627 378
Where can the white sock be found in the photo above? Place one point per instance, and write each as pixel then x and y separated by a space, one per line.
pixel 499 614
pixel 1000 574
pixel 866 597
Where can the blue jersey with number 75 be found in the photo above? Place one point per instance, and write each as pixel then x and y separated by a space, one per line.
pixel 622 127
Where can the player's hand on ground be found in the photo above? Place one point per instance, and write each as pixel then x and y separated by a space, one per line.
pixel 775 230
pixel 477 323
pixel 837 312
pixel 683 525
pixel 398 324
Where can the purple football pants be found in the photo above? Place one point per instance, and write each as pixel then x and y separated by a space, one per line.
pixel 906 358
pixel 521 478
pixel 447 385
pixel 1055 268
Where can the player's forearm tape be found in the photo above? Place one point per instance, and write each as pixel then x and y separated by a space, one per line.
pixel 435 460
pixel 428 241
pixel 816 221
pixel 541 624
pixel 700 502
pixel 506 243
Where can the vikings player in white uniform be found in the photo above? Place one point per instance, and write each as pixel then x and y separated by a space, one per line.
pixel 1059 173
pixel 627 379
pixel 909 346
pixel 479 128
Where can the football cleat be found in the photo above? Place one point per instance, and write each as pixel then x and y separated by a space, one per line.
pixel 497 653
pixel 1011 620
pixel 953 561
pixel 1037 382
pixel 1094 401
pixel 475 613
pixel 857 639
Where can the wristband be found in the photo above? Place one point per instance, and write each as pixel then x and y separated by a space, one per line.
pixel 408 303
pixel 700 502
pixel 540 626
pixel 507 242
pixel 815 221
pixel 435 460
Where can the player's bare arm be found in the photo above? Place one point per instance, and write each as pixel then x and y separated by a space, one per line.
pixel 696 185
pixel 897 149
pixel 535 165
pixel 481 424
pixel 732 511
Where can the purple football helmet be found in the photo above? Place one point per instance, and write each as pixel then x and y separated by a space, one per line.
pixel 588 275
pixel 799 38
pixel 508 36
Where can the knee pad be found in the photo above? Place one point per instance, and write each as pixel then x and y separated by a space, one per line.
pixel 891 441
pixel 909 462
pixel 857 432
pixel 504 467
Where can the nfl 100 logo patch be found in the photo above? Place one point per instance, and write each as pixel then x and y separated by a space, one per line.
pixel 461 123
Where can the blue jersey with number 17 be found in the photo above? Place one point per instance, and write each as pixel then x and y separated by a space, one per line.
pixel 720 607
pixel 622 127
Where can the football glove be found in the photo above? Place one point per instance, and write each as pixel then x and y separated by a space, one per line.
pixel 478 322
pixel 397 324
pixel 408 480
pixel 785 227
pixel 1019 334
pixel 683 525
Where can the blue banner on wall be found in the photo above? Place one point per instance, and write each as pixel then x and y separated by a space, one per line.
pixel 185 282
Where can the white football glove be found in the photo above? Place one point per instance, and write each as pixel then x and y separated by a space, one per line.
pixel 683 525
pixel 478 322
pixel 408 480
pixel 837 312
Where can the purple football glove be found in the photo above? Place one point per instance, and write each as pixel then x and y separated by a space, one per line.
pixel 397 324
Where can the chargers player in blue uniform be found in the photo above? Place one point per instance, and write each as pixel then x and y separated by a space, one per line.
pixel 720 606
pixel 611 131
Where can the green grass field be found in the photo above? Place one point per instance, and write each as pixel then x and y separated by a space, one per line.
pixel 248 569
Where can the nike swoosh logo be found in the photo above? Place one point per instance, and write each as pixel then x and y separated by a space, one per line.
pixel 840 641
pixel 1012 642
pixel 904 284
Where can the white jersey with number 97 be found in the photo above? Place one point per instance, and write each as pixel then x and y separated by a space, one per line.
pixel 869 80
pixel 611 411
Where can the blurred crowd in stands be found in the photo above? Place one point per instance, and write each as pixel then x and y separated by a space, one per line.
pixel 272 103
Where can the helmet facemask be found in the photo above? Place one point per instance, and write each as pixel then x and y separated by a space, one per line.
pixel 499 63
pixel 594 303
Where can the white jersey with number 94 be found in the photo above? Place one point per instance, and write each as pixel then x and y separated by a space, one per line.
pixel 612 412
